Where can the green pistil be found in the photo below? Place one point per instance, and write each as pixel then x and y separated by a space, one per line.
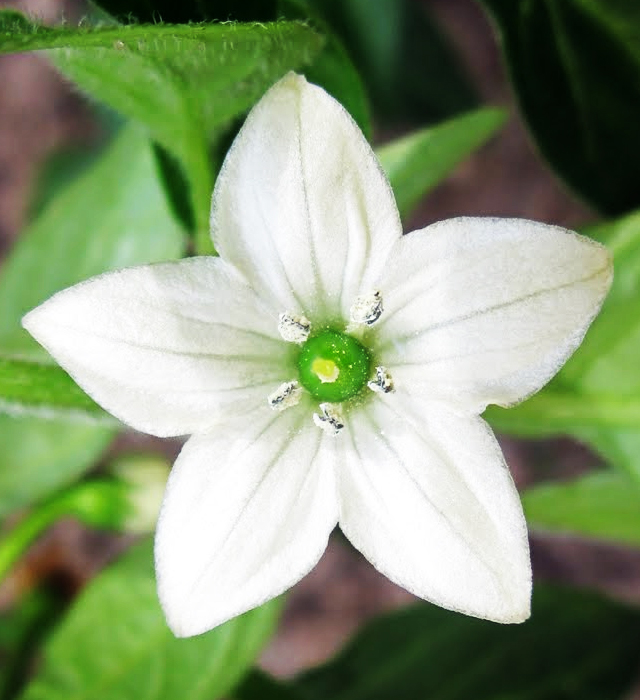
pixel 333 366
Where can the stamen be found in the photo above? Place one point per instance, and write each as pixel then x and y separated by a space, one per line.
pixel 285 396
pixel 294 329
pixel 383 383
pixel 367 308
pixel 330 420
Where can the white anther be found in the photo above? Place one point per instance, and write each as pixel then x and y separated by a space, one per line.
pixel 294 329
pixel 330 419
pixel 383 383
pixel 367 308
pixel 285 396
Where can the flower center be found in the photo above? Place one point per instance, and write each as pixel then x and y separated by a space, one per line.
pixel 333 366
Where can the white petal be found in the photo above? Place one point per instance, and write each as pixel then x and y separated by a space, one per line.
pixel 247 513
pixel 487 310
pixel 301 205
pixel 427 498
pixel 166 348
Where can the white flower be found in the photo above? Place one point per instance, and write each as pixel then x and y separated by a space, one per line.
pixel 331 371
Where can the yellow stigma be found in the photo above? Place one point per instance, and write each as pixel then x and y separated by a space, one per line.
pixel 326 370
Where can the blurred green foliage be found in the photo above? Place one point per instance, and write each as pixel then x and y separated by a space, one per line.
pixel 113 214
pixel 115 644
pixel 424 651
pixel 574 67
pixel 602 505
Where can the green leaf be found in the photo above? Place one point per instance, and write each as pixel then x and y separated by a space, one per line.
pixel 258 685
pixel 334 71
pixel 113 216
pixel 104 503
pixel 28 387
pixel 575 65
pixel 607 360
pixel 409 68
pixel 183 82
pixel 176 186
pixel 575 646
pixel 22 629
pixel 619 446
pixel 39 456
pixel 332 68
pixel 552 412
pixel 115 645
pixel 416 163
pixel 70 161
pixel 601 505
pixel 132 11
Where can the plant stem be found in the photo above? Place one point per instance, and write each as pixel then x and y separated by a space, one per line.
pixel 102 504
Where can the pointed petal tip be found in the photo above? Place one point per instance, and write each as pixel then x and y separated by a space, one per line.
pixel 607 264
pixel 45 324
pixel 517 610
pixel 513 607
pixel 184 620
pixel 292 79
pixel 32 321
pixel 596 253
pixel 510 617
pixel 599 260
pixel 291 82
pixel 184 625
pixel 519 616
pixel 180 627
pixel 26 320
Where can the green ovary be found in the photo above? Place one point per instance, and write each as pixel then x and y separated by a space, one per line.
pixel 333 366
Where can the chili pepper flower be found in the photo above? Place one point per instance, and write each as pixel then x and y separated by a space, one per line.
pixel 331 371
